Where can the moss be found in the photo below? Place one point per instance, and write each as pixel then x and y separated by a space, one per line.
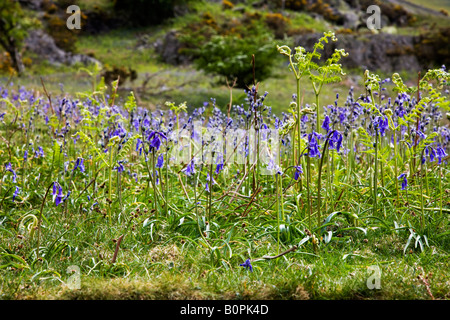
pixel 277 23
pixel 227 4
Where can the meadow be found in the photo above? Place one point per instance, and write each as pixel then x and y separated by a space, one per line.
pixel 104 199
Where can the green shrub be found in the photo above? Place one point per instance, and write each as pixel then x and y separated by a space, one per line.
pixel 231 57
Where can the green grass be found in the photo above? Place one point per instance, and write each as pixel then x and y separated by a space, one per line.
pixel 433 4
pixel 187 271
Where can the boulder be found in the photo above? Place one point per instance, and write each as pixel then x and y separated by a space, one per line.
pixel 169 49
pixel 44 47
pixel 385 52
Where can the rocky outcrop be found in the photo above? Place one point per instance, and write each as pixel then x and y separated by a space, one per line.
pixel 384 52
pixel 169 49
pixel 43 45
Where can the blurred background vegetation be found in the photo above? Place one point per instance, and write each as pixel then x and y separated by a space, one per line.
pixel 185 50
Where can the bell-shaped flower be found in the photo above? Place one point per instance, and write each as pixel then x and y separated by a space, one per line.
pixel 404 181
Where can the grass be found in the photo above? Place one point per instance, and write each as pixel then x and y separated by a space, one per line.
pixel 433 4
pixel 183 271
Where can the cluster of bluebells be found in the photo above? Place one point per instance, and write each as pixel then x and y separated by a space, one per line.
pixel 157 130
pixel 58 195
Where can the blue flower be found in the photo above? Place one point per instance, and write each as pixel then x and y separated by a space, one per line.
pixel 120 168
pixel 210 179
pixel 139 146
pixel 440 154
pixel 336 140
pixel 298 171
pixel 67 196
pixel 273 167
pixel 155 139
pixel 9 168
pixel 432 154
pixel 313 147
pixel 326 123
pixel 16 192
pixel 404 181
pixel 219 164
pixel 247 265
pixel 190 169
pixel 59 197
pixel 25 155
pixel 160 161
pixel 381 124
pixel 79 164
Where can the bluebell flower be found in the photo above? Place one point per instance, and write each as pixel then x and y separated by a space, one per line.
pixel 16 192
pixel 326 123
pixel 271 166
pixel 190 169
pixel 79 164
pixel 404 181
pixel 67 196
pixel 313 147
pixel 219 168
pixel 440 154
pixel 120 168
pixel 59 197
pixel 160 161
pixel 25 155
pixel 381 124
pixel 9 168
pixel 335 140
pixel 298 171
pixel 432 154
pixel 139 146
pixel 155 139
pixel 247 265
pixel 219 164
pixel 210 179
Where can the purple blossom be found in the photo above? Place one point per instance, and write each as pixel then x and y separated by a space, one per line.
pixel 381 124
pixel 160 161
pixel 59 197
pixel 155 139
pixel 9 168
pixel 16 192
pixel 440 154
pixel 404 181
pixel 190 169
pixel 209 179
pixel 120 168
pixel 326 124
pixel 273 167
pixel 298 171
pixel 432 154
pixel 139 146
pixel 79 164
pixel 313 147
pixel 247 265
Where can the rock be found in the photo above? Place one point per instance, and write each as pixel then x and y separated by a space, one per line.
pixel 351 20
pixel 169 49
pixel 44 47
pixel 385 52
pixel 31 4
